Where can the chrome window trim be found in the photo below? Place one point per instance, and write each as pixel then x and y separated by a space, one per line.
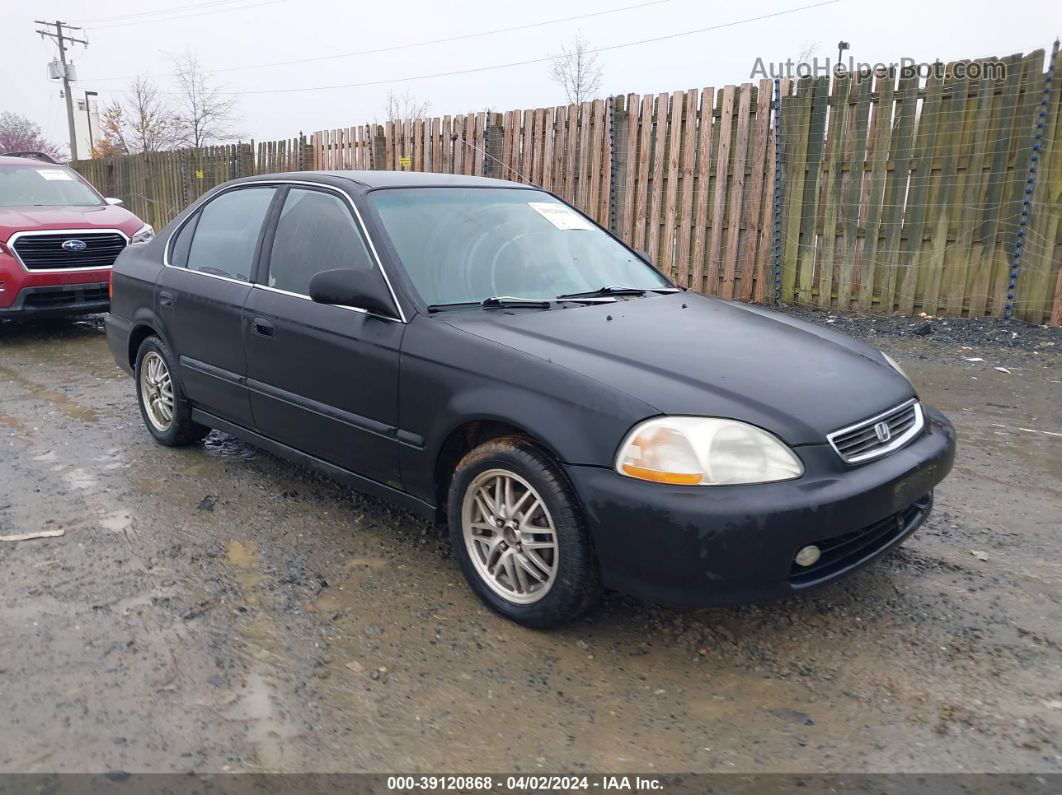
pixel 10 244
pixel 893 445
pixel 270 183
pixel 357 309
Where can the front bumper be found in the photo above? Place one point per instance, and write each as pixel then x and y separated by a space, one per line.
pixel 53 300
pixel 709 545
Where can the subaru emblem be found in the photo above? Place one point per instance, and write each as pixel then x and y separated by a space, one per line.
pixel 74 245
pixel 883 432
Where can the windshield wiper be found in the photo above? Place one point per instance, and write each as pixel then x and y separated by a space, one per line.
pixel 603 291
pixel 613 290
pixel 502 301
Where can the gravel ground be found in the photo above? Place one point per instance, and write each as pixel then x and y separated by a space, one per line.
pixel 981 331
pixel 215 608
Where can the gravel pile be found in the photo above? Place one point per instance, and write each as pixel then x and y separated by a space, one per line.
pixel 974 331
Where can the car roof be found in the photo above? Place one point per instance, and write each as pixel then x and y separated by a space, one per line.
pixel 393 179
pixel 6 160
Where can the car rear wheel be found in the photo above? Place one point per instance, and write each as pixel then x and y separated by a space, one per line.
pixel 166 412
pixel 518 535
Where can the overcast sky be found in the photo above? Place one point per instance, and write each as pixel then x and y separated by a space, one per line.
pixel 127 38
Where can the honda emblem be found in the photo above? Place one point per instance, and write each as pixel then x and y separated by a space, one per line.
pixel 883 432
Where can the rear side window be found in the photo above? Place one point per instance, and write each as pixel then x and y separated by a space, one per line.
pixel 226 234
pixel 315 232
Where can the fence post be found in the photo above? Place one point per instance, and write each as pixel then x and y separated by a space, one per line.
pixel 777 214
pixel 493 138
pixel 379 147
pixel 613 165
pixel 1030 182
pixel 246 160
pixel 620 154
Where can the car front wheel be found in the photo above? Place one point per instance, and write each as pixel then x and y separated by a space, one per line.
pixel 166 412
pixel 518 535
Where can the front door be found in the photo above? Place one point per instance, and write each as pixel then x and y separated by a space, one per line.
pixel 321 378
pixel 201 297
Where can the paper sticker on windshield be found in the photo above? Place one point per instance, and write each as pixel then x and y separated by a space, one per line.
pixel 560 216
pixel 54 173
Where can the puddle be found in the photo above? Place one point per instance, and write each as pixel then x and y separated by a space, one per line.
pixel 222 445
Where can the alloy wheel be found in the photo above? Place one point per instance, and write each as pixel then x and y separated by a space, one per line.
pixel 510 536
pixel 156 391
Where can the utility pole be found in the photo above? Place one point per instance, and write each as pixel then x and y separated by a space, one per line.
pixel 61 39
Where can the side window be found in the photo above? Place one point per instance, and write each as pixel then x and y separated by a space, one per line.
pixel 226 235
pixel 315 232
pixel 182 242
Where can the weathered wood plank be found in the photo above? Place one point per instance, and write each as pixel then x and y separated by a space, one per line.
pixel 641 211
pixel 736 195
pixel 673 157
pixel 688 168
pixel 722 167
pixel 901 147
pixel 701 194
pixel 749 258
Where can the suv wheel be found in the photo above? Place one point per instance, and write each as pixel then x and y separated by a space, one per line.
pixel 517 533
pixel 166 412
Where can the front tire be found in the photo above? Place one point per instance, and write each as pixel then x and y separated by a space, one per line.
pixel 518 535
pixel 166 411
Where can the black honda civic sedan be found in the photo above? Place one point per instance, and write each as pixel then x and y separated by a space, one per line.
pixel 480 353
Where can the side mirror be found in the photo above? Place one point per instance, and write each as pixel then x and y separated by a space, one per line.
pixel 361 289
pixel 115 202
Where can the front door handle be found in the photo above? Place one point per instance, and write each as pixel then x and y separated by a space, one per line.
pixel 263 327
pixel 166 298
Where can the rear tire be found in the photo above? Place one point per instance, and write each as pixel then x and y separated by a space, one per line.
pixel 163 406
pixel 517 533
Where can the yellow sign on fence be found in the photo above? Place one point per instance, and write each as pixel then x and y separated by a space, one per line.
pixel 405 161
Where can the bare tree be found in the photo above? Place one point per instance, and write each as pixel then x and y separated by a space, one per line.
pixel 405 106
pixel 577 70
pixel 202 113
pixel 148 121
pixel 19 134
pixel 141 122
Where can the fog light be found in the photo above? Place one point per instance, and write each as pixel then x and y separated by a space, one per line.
pixel 808 556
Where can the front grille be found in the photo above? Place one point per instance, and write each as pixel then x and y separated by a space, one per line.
pixel 61 297
pixel 46 252
pixel 842 552
pixel 878 435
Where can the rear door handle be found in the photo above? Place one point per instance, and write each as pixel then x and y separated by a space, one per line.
pixel 166 298
pixel 263 327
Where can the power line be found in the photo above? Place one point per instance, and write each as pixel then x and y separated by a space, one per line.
pixel 412 45
pixel 157 11
pixel 187 16
pixel 653 40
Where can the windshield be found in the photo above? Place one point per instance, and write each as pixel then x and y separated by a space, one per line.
pixel 46 186
pixel 467 244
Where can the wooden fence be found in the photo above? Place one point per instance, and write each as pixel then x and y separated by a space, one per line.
pixel 896 193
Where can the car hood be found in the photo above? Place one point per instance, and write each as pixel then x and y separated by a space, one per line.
pixel 107 216
pixel 688 354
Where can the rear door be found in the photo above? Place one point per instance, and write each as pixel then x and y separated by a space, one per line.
pixel 201 296
pixel 322 378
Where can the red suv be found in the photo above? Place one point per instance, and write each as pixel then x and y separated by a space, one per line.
pixel 58 240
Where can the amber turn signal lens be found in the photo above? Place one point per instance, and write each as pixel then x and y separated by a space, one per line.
pixel 677 478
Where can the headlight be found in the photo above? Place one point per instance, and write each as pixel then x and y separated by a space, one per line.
pixel 143 234
pixel 705 451
pixel 894 365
